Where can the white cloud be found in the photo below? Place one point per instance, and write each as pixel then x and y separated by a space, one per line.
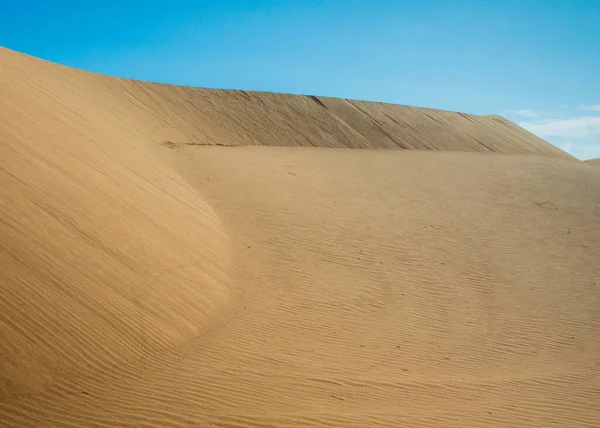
pixel 525 113
pixel 595 107
pixel 566 146
pixel 581 150
pixel 578 136
pixel 585 127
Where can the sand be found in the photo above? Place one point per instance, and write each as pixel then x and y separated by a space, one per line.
pixel 150 278
pixel 594 162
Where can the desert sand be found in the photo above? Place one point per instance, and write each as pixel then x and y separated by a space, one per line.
pixel 594 162
pixel 309 273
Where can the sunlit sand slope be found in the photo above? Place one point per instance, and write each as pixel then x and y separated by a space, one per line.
pixel 148 280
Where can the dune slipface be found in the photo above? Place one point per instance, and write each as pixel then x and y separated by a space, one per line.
pixel 149 279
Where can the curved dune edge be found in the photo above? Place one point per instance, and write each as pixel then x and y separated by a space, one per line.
pixel 594 162
pixel 103 247
pixel 100 271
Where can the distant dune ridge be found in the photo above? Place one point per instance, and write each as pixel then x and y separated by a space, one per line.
pixel 148 279
pixel 594 162
pixel 185 115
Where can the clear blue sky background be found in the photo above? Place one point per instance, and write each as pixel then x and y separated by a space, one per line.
pixel 536 62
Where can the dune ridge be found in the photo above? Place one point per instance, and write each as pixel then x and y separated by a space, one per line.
pixel 192 116
pixel 150 277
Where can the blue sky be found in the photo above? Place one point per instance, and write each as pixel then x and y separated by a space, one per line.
pixel 536 62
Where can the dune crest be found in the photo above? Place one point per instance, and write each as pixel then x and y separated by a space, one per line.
pixel 192 116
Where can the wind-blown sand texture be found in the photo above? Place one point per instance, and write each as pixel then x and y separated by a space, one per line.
pixel 150 280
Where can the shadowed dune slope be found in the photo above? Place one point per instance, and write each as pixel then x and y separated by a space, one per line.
pixel 191 116
pixel 148 280
pixel 99 241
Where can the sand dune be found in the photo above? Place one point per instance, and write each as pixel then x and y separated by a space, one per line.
pixel 594 162
pixel 178 116
pixel 150 280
